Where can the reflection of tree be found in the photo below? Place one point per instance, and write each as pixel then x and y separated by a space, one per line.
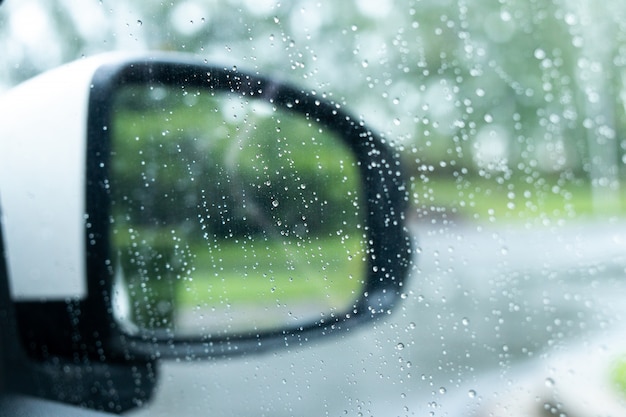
pixel 241 190
pixel 191 169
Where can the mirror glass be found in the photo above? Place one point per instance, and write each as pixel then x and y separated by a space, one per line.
pixel 229 216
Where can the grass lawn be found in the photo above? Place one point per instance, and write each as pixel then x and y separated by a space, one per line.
pixel 515 200
pixel 618 376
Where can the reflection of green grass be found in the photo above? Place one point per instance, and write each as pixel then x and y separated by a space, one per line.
pixel 323 271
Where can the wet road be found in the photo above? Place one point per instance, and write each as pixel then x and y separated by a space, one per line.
pixel 487 312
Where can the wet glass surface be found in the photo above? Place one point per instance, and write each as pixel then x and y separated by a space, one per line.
pixel 509 117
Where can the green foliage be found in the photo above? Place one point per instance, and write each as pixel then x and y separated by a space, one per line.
pixel 236 174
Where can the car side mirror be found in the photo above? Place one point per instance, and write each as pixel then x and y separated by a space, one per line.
pixel 161 207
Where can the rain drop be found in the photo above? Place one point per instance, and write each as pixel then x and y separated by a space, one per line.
pixel 540 53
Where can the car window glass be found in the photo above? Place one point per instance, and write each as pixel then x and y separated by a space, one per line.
pixel 509 117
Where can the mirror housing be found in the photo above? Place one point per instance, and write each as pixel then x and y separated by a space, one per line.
pixel 55 178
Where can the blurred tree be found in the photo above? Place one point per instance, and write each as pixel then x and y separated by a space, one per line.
pixel 491 88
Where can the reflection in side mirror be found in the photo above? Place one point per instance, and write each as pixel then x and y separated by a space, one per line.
pixel 203 211
pixel 236 213
pixel 229 216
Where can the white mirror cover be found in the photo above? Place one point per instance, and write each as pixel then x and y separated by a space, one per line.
pixel 43 133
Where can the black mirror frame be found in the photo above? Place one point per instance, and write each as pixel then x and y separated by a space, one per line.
pixel 384 184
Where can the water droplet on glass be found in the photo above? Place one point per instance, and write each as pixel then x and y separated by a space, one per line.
pixel 540 53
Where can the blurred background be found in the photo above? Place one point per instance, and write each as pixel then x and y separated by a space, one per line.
pixel 496 91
